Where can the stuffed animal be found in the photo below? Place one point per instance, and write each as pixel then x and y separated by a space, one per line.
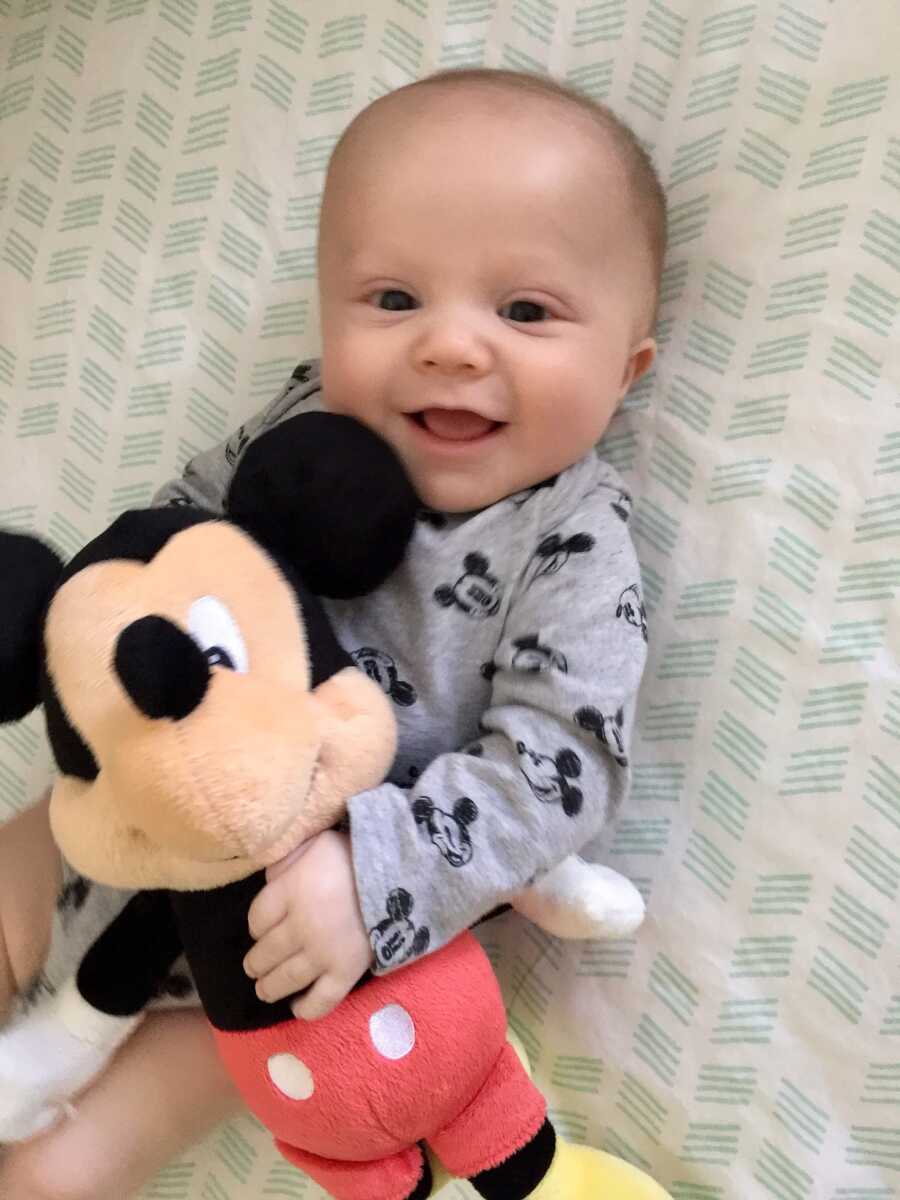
pixel 204 722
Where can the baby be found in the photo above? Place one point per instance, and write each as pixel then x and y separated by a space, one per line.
pixel 489 260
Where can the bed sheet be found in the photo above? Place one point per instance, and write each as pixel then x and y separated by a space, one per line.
pixel 161 163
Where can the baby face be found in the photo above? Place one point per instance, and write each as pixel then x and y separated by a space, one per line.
pixel 482 290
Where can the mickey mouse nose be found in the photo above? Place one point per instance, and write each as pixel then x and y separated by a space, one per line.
pixel 161 667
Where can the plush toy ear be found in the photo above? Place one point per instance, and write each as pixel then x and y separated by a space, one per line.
pixel 29 574
pixel 330 496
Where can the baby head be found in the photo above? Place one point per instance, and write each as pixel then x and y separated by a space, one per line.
pixel 489 258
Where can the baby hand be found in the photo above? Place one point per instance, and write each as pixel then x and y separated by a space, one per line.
pixel 308 928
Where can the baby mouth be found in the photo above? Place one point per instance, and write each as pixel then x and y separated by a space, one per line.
pixel 455 424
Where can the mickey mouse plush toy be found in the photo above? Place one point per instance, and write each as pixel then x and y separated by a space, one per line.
pixel 205 722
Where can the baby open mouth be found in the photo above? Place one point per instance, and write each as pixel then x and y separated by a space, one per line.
pixel 455 424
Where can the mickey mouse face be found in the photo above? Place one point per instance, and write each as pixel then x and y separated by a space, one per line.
pixel 203 718
pixel 549 777
pixel 554 551
pixel 395 939
pixel 477 593
pixel 607 729
pixel 622 506
pixel 533 657
pixel 202 742
pixel 382 669
pixel 631 608
pixel 449 831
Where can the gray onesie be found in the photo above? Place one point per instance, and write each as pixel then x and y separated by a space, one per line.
pixel 512 642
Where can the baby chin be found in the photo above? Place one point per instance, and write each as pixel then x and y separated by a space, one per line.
pixel 454 473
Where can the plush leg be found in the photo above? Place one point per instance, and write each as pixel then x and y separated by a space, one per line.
pixel 582 1173
pixel 30 875
pixel 505 1116
pixel 506 1148
pixel 522 1172
pixel 440 1173
pixel 405 1176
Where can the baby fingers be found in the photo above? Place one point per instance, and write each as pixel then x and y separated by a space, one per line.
pixel 268 909
pixel 325 995
pixel 273 948
pixel 288 978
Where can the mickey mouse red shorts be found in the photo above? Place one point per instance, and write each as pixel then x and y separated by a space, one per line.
pixel 416 1055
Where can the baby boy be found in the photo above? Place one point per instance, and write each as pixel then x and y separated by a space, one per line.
pixel 489 260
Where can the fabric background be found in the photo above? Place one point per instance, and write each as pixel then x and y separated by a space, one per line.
pixel 161 163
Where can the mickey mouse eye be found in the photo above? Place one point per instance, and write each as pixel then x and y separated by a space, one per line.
pixel 218 656
pixel 215 631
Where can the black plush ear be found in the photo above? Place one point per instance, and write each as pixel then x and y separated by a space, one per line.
pixel 29 575
pixel 329 495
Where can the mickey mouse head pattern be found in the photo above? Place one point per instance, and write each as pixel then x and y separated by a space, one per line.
pixel 236 445
pixel 72 895
pixel 622 506
pixel 531 657
pixel 449 831
pixel 548 777
pixel 555 550
pixel 396 939
pixel 631 607
pixel 477 592
pixel 382 669
pixel 608 730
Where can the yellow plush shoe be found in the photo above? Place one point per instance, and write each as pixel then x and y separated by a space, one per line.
pixel 582 1173
pixel 579 1173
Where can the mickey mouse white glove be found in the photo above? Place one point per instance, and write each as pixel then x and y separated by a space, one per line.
pixel 48 1055
pixel 578 899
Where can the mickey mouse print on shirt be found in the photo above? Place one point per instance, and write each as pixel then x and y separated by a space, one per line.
pixel 622 506
pixel 523 497
pixel 548 777
pixel 428 516
pixel 449 831
pixel 555 550
pixel 236 445
pixel 382 669
pixel 477 592
pixel 608 730
pixel 395 939
pixel 531 657
pixel 631 607
pixel 72 897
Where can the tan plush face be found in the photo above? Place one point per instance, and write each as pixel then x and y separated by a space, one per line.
pixel 260 764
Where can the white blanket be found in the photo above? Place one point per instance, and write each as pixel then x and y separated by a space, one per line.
pixel 160 168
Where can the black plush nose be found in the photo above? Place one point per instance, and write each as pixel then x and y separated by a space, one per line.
pixel 162 669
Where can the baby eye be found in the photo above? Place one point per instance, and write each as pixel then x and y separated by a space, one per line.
pixel 524 311
pixel 392 300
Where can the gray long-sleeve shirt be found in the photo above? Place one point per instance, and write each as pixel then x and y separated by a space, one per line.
pixel 512 642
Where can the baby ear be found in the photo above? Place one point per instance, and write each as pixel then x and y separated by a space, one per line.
pixel 329 495
pixel 29 575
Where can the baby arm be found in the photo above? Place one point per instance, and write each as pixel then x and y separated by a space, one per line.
pixel 309 931
pixel 30 875
pixel 164 1089
pixel 481 824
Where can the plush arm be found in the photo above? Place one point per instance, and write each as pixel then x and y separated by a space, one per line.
pixel 49 1053
pixel 207 476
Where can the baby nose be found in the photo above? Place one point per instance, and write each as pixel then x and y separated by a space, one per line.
pixel 452 348
pixel 161 667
